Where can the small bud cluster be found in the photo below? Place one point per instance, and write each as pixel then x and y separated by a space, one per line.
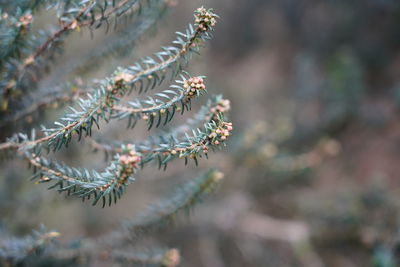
pixel 221 133
pixel 122 78
pixel 192 86
pixel 117 89
pixel 25 21
pixel 205 18
pixel 128 162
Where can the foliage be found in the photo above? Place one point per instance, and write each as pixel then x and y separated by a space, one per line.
pixel 120 246
pixel 26 54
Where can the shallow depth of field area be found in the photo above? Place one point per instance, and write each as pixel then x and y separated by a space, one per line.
pixel 305 163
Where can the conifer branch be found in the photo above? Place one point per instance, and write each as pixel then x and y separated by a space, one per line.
pixel 112 182
pixel 16 28
pixel 41 244
pixel 31 59
pixel 22 5
pixel 13 251
pixel 165 105
pixel 50 100
pixel 85 17
pixel 207 130
pixel 207 113
pixel 83 183
pixel 65 28
pixel 194 145
pixel 99 105
pixel 88 13
pixel 15 40
pixel 163 213
pixel 122 41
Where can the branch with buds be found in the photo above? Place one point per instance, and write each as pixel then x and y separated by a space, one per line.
pixel 107 100
pixel 102 104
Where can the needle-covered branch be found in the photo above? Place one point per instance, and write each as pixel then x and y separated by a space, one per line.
pixel 183 200
pixel 13 251
pixel 85 183
pixel 102 104
pixel 105 100
pixel 41 244
pixel 51 100
pixel 99 105
pixel 162 108
pixel 122 41
pixel 21 72
pixel 156 146
pixel 112 182
pixel 14 28
pixel 193 145
pixel 82 14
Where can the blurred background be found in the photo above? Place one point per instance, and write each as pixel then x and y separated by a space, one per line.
pixel 311 171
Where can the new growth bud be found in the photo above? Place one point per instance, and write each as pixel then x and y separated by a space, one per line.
pixel 128 162
pixel 205 18
pixel 193 87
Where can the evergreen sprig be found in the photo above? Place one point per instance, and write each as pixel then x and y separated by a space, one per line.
pixel 51 100
pixel 86 183
pixel 107 99
pixel 180 142
pixel 99 105
pixel 102 104
pixel 74 15
pixel 40 248
pixel 120 43
pixel 209 112
pixel 14 251
pixel 23 67
pixel 163 106
pixel 111 183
